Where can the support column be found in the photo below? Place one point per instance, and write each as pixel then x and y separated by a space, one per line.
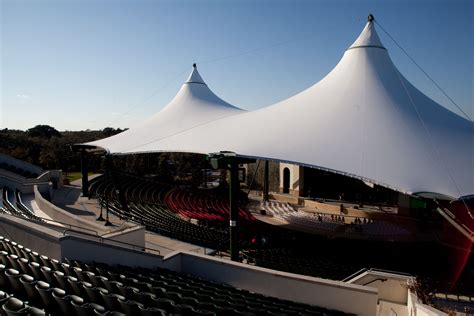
pixel 84 171
pixel 234 209
pixel 116 183
pixel 266 184
pixel 229 161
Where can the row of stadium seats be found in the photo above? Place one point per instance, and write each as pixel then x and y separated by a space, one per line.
pixel 147 207
pixel 277 208
pixel 324 223
pixel 290 261
pixel 13 205
pixel 202 205
pixel 75 288
pixel 10 306
pixel 18 171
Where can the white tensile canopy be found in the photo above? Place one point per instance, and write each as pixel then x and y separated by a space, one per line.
pixel 195 104
pixel 364 119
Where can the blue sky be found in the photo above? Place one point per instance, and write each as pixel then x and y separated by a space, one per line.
pixel 89 64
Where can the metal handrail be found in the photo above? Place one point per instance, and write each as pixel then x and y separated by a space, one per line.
pixel 94 235
pixel 107 240
pixel 354 274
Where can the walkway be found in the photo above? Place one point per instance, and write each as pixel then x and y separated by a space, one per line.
pixel 70 199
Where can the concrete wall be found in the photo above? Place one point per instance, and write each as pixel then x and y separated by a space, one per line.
pixel 77 248
pixel 58 245
pixel 325 293
pixel 393 289
pixel 56 177
pixel 285 198
pixel 296 178
pixel 20 164
pixel 133 235
pixel 37 237
pixel 62 216
pixel 327 208
pixel 24 185
pixel 416 308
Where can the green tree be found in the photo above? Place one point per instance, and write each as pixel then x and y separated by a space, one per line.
pixel 43 131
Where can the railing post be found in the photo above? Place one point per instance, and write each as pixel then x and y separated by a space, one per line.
pixel 84 171
pixel 265 182
pixel 234 209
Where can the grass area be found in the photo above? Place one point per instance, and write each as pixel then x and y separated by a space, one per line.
pixel 72 176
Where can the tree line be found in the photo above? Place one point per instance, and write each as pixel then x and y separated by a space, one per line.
pixel 49 148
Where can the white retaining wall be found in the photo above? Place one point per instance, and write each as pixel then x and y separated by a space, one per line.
pixel 336 295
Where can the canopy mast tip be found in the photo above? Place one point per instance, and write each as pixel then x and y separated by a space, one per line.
pixel 370 18
pixel 194 65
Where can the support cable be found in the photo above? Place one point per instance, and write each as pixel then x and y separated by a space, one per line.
pixel 424 72
pixel 427 131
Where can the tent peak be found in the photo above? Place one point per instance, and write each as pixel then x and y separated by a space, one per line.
pixel 195 77
pixel 368 37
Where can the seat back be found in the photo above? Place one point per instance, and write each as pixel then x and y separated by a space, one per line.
pixel 14 306
pixel 13 277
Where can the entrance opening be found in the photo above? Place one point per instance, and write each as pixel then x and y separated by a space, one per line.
pixel 286 180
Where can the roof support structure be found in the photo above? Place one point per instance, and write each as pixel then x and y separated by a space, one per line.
pixel 229 161
pixel 84 172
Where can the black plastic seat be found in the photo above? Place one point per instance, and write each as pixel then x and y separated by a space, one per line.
pixel 34 257
pixel 164 303
pixel 110 313
pixel 111 300
pixel 45 293
pixel 158 291
pixel 18 250
pixel 74 286
pixel 113 276
pixel 174 296
pixel 183 309
pixel 25 253
pixel 35 311
pixel 3 278
pixel 112 286
pixel 60 280
pixel 67 268
pixel 77 272
pixel 56 265
pixel 130 307
pixel 3 258
pixel 47 275
pixel 146 298
pixel 204 312
pixel 13 277
pixel 14 306
pixel 24 267
pixel 28 283
pixel 143 286
pixel 44 260
pixel 4 296
pixel 128 291
pixel 94 294
pixel 98 280
pixel 13 261
pixel 35 270
pixel 86 309
pixel 224 310
pixel 11 245
pixel 200 305
pixel 62 300
pixel 152 311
